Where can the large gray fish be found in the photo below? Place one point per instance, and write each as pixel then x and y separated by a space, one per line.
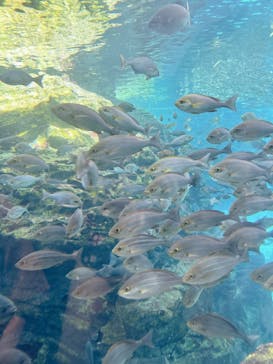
pixel 7 309
pixel 148 284
pixel 251 128
pixel 44 259
pixel 112 150
pixel 263 273
pixel 248 205
pixel 144 204
pixel 197 104
pixel 27 162
pixel 141 65
pixel 122 351
pixel 218 136
pixel 196 246
pixel 169 185
pixel 210 269
pixel 137 244
pixel 237 171
pixel 82 117
pixel 120 120
pixel 92 288
pixel 214 325
pixel 170 19
pixel 213 152
pixel 114 207
pixel 140 222
pixel 63 198
pixel 202 220
pixel 177 165
pixel 19 77
pixel 14 356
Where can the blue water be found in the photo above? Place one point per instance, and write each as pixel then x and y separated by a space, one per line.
pixel 227 50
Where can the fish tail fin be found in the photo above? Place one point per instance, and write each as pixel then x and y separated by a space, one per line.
pixel 77 255
pixel 249 116
pixel 123 62
pixel 231 103
pixel 45 194
pixel 251 339
pixel 39 80
pixel 155 141
pixel 147 339
pixel 227 149
pixel 205 160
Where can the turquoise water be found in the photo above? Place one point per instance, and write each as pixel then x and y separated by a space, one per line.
pixel 76 45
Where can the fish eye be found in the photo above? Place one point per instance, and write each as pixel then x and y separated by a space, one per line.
pixel 182 102
pixel 94 150
pixel 186 222
pixel 152 189
pixel 191 276
pixel 218 169
pixel 117 230
pixel 119 248
pixel 127 289
pixel 152 169
pixel 176 250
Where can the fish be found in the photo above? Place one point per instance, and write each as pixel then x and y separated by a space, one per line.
pixel 263 273
pixel 135 205
pixel 140 222
pixel 177 164
pixel 19 77
pixel 237 171
pixel 24 181
pixel 63 198
pixel 202 220
pixel 140 65
pixel 16 212
pixel 268 284
pixel 179 141
pixel 214 325
pixel 197 104
pixel 74 223
pixel 191 295
pixel 82 117
pixel 251 128
pixel 81 273
pixel 268 147
pixel 92 288
pixel 170 19
pixel 122 351
pixel 169 185
pixel 49 233
pixel 14 356
pixel 44 259
pixel 248 205
pixel 218 136
pixel 210 269
pixel 126 106
pixel 196 246
pixel 148 283
pixel 137 244
pixel 9 141
pixel 137 263
pixel 212 152
pixel 7 309
pixel 27 162
pixel 114 207
pixel 120 120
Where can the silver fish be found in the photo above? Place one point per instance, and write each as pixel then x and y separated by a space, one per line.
pixel 122 351
pixel 248 205
pixel 74 223
pixel 197 104
pixel 191 295
pixel 213 325
pixel 202 220
pixel 137 263
pixel 50 233
pixel 148 284
pixel 63 198
pixel 81 273
pixel 44 259
pixel 27 162
pixel 92 288
pixel 19 77
pixel 263 273
pixel 114 207
pixel 212 152
pixel 218 136
pixel 24 181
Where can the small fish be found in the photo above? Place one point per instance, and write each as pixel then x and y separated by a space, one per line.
pixel 210 269
pixel 218 136
pixel 135 205
pixel 148 284
pixel 63 198
pixel 170 19
pixel 114 207
pixel 74 224
pixel 24 181
pixel 197 104
pixel 44 259
pixel 7 309
pixel 141 65
pixel 137 263
pixel 16 212
pixel 212 152
pixel 202 220
pixel 92 288
pixel 19 77
pixel 82 117
pixel 50 233
pixel 126 106
pixel 81 273
pixel 214 325
pixel 26 162
pixel 180 141
pixel 263 273
pixel 14 356
pixel 248 205
pixel 122 351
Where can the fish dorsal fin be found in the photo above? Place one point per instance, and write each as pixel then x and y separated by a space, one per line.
pixel 211 97
pixel 249 116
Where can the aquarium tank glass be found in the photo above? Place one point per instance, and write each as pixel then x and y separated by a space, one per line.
pixel 136 182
